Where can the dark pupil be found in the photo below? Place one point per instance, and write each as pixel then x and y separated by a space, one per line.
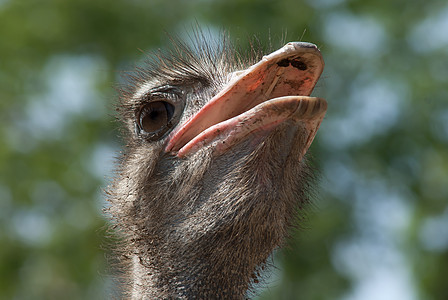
pixel 155 116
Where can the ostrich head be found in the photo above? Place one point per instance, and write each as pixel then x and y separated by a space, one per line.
pixel 214 170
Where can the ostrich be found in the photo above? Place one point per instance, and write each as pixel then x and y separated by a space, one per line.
pixel 214 173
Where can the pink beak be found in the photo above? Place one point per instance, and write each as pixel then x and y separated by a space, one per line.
pixel 274 90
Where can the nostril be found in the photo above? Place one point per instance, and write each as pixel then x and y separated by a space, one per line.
pixel 299 65
pixel 283 63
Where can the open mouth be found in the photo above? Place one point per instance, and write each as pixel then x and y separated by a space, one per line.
pixel 274 90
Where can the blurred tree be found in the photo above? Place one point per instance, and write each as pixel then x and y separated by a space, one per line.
pixel 380 226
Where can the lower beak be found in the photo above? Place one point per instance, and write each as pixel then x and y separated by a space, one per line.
pixel 259 98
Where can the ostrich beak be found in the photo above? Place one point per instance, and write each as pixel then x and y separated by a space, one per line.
pixel 274 90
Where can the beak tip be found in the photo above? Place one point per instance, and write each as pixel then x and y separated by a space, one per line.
pixel 301 45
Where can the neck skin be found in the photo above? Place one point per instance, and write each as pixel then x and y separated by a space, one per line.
pixel 178 276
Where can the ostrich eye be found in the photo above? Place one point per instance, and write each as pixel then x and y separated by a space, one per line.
pixel 154 119
pixel 155 115
pixel 159 111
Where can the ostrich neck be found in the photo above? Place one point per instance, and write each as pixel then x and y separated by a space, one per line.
pixel 214 245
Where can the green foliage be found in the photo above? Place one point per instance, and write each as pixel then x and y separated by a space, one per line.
pixel 381 214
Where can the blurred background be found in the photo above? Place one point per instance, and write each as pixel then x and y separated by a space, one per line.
pixel 379 229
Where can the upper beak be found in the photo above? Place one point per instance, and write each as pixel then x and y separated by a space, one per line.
pixel 268 93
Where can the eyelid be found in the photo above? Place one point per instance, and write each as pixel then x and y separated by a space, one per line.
pixel 171 94
pixel 157 96
pixel 164 91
